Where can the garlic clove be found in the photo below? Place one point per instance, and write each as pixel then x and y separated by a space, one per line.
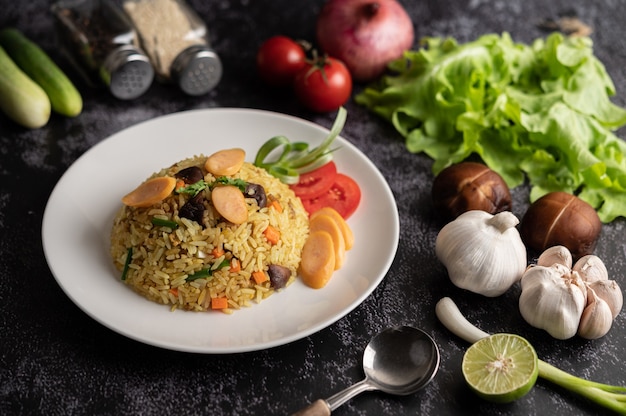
pixel 596 319
pixel 552 299
pixel 591 268
pixel 574 279
pixel 610 292
pixel 555 255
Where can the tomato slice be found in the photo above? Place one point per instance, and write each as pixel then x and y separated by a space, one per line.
pixel 344 196
pixel 316 182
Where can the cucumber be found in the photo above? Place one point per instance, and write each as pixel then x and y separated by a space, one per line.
pixel 64 97
pixel 21 98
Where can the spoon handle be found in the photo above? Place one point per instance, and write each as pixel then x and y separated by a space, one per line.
pixel 324 407
pixel 343 396
pixel 317 408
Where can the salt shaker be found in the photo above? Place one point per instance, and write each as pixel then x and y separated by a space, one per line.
pixel 101 41
pixel 176 41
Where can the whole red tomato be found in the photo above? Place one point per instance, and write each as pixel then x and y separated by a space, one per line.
pixel 279 59
pixel 323 85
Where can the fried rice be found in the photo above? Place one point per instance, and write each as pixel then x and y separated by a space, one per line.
pixel 191 263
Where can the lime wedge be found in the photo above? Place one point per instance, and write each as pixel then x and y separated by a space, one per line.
pixel 501 368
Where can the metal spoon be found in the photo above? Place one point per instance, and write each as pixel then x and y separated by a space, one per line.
pixel 400 360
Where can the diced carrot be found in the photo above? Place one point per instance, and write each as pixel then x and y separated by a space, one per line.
pixel 235 265
pixel 150 192
pixel 326 223
pixel 318 259
pixel 259 276
pixel 174 291
pixel 219 303
pixel 217 252
pixel 272 234
pixel 230 203
pixel 225 162
pixel 180 184
pixel 276 205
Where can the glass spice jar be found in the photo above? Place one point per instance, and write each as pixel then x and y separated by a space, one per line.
pixel 176 41
pixel 101 41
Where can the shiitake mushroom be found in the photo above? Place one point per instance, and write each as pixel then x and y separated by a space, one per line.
pixel 193 209
pixel 469 186
pixel 190 175
pixel 560 218
pixel 279 275
pixel 257 192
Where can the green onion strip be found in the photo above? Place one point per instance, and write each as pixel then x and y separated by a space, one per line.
pixel 129 258
pixel 207 273
pixel 296 158
pixel 160 222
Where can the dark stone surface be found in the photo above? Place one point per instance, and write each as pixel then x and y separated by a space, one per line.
pixel 54 359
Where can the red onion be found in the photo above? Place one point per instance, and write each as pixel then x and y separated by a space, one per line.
pixel 365 34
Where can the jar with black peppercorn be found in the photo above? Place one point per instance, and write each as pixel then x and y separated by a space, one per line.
pixel 176 41
pixel 102 42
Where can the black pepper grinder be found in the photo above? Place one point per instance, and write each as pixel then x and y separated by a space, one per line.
pixel 176 41
pixel 101 41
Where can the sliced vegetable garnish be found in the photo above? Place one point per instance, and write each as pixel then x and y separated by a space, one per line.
pixel 316 182
pixel 343 196
pixel 160 222
pixel 295 158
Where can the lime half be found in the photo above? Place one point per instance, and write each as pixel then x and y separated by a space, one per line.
pixel 501 368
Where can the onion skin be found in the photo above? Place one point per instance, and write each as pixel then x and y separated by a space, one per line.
pixel 365 34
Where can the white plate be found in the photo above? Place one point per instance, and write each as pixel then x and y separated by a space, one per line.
pixel 79 214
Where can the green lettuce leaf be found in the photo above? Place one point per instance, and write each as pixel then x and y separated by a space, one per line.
pixel 539 112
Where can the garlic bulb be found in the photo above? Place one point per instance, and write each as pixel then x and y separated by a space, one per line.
pixel 596 319
pixel 563 301
pixel 483 253
pixel 553 298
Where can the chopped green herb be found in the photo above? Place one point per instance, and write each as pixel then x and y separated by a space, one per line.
pixel 225 180
pixel 296 158
pixel 160 222
pixel 193 189
pixel 129 257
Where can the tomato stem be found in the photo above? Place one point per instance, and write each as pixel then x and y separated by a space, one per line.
pixel 318 63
